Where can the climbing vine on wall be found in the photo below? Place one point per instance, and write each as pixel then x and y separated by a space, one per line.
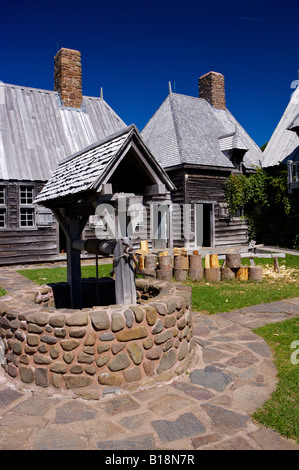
pixel 261 196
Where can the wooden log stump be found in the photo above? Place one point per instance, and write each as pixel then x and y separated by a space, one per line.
pixel 233 260
pixel 148 273
pixel 255 273
pixel 214 262
pixel 195 261
pixel 227 274
pixel 164 274
pixel 150 262
pixel 165 262
pixel 196 274
pixel 212 274
pixel 180 274
pixel 144 246
pixel 242 273
pixel 207 261
pixel 180 262
pixel 141 261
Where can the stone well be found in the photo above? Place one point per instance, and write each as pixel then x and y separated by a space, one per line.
pixel 112 345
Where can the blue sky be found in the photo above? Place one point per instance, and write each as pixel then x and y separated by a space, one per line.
pixel 134 48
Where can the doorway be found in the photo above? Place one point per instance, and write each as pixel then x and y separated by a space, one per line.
pixel 204 223
pixel 160 229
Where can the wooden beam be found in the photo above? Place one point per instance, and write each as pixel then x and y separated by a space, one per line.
pixel 73 263
pixel 62 221
pixel 105 189
pixel 257 255
pixel 125 290
pixel 155 189
pixel 83 221
pixel 276 265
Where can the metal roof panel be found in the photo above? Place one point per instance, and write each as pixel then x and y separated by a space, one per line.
pixel 36 132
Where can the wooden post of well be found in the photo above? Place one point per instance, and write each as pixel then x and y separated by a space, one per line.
pixel 123 264
pixel 73 262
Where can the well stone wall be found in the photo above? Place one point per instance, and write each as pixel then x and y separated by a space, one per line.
pixel 104 346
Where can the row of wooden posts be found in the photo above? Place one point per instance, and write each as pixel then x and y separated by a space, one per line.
pixel 181 265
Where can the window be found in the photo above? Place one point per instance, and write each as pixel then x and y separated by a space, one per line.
pixel 2 207
pixel 26 195
pixel 2 218
pixel 26 206
pixel 2 195
pixel 27 217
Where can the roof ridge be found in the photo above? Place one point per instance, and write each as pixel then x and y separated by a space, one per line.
pixel 154 115
pixel 189 96
pixel 54 92
pixel 176 126
pixel 27 87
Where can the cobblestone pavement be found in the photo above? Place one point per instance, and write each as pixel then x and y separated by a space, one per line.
pixel 209 407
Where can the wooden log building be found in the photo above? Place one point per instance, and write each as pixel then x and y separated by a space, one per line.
pixel 200 144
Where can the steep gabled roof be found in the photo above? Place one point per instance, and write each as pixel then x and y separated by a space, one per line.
pixel 186 130
pixel 284 143
pixel 36 131
pixel 86 170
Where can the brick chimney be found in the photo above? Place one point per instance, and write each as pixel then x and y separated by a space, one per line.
pixel 67 77
pixel 211 88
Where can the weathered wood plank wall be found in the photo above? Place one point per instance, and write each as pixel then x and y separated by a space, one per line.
pixel 193 186
pixel 25 244
pixel 210 186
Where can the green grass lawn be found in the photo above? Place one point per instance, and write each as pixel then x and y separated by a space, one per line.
pixel 209 297
pixel 54 275
pixel 230 295
pixel 281 411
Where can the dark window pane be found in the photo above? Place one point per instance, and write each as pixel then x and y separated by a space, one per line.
pixel 27 217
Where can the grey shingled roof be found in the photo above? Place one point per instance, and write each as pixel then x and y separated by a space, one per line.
pixel 86 170
pixel 36 132
pixel 232 142
pixel 284 143
pixel 186 130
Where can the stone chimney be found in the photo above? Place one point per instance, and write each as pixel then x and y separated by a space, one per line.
pixel 211 88
pixel 67 77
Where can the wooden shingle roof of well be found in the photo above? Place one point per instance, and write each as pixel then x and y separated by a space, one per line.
pixel 86 170
pixel 188 130
pixel 36 131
